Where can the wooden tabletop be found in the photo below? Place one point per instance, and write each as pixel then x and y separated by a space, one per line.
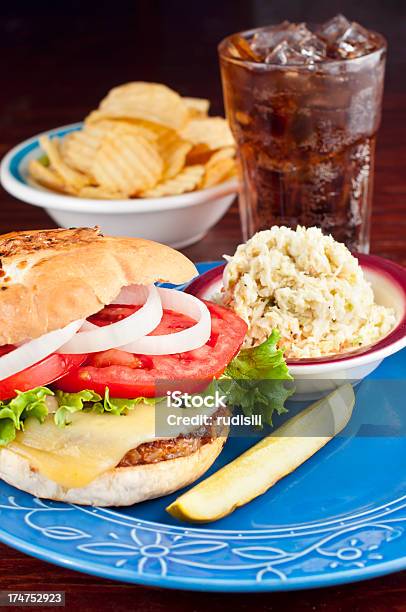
pixel 58 62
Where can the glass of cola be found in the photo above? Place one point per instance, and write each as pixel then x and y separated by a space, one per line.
pixel 304 105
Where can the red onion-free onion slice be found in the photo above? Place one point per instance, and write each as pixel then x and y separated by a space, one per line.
pixel 93 338
pixel 180 342
pixel 33 351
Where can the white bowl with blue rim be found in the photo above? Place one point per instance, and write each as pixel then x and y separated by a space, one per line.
pixel 177 220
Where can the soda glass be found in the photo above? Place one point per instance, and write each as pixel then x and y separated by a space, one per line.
pixel 304 107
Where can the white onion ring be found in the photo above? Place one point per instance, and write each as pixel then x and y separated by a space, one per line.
pixel 180 342
pixel 93 338
pixel 132 295
pixel 33 351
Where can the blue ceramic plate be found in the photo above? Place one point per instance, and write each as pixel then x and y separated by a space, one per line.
pixel 339 518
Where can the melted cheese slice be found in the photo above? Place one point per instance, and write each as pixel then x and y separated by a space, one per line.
pixel 75 455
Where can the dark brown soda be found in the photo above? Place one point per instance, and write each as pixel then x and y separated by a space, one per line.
pixel 306 141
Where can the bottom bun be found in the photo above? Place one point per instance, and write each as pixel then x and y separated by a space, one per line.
pixel 122 486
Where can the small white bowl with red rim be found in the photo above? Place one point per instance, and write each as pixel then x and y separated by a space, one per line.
pixel 315 377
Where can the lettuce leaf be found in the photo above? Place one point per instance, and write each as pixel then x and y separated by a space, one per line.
pixel 44 160
pixel 254 381
pixel 91 401
pixel 33 403
pixel 14 412
pixel 72 402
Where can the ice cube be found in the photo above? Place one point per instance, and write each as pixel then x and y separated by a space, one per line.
pixel 284 55
pixel 268 39
pixel 333 29
pixel 307 51
pixel 265 40
pixel 355 42
pixel 313 49
pixel 240 47
pixel 299 33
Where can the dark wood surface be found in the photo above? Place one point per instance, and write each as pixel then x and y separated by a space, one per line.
pixel 58 61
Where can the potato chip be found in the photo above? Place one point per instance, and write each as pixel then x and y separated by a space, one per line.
pixel 153 129
pixel 148 101
pixel 45 176
pixel 212 131
pixel 127 163
pixel 198 154
pixel 173 151
pixel 99 193
pixel 104 125
pixel 233 172
pixel 187 180
pixel 71 177
pixel 217 172
pixel 93 117
pixel 198 107
pixel 150 130
pixel 144 139
pixel 201 154
pixel 79 148
pixel 227 152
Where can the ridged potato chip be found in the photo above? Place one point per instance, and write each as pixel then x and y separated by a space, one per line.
pixel 93 117
pixel 217 172
pixel 127 163
pixel 201 154
pixel 144 139
pixel 99 193
pixel 227 152
pixel 79 148
pixel 102 124
pixel 198 154
pixel 45 176
pixel 71 177
pixel 198 107
pixel 187 180
pixel 148 101
pixel 233 172
pixel 173 151
pixel 211 131
pixel 151 131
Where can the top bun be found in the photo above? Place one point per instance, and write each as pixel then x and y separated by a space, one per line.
pixel 49 278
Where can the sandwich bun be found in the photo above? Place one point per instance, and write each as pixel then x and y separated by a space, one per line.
pixel 49 278
pixel 122 486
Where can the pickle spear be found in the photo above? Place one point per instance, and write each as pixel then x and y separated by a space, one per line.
pixel 262 465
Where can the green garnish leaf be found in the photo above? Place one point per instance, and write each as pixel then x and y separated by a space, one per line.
pixel 33 403
pixel 69 403
pixel 91 401
pixel 254 381
pixel 13 412
pixel 44 160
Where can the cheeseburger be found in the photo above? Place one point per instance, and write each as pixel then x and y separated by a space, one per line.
pixel 86 338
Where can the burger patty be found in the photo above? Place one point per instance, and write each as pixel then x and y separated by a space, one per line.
pixel 182 446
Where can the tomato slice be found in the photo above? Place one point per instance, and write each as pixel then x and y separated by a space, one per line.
pixel 130 376
pixel 42 373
